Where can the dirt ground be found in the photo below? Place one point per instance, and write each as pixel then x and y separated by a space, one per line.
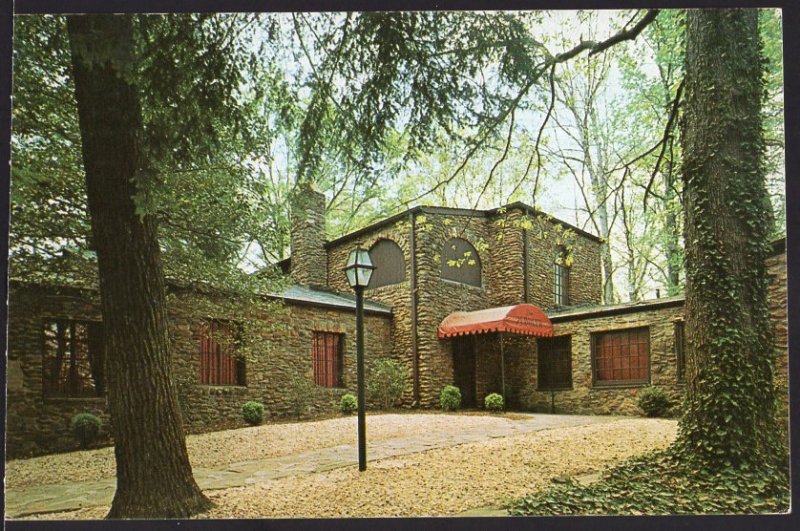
pixel 437 482
pixel 245 444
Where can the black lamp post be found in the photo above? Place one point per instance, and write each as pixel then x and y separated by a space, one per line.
pixel 359 270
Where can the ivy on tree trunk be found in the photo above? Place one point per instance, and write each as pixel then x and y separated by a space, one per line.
pixel 729 420
pixel 154 476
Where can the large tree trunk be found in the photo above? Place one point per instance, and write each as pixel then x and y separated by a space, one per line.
pixel 731 401
pixel 154 477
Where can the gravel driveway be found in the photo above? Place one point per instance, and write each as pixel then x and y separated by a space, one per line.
pixel 440 481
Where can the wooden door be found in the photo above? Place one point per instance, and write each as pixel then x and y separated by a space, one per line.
pixel 464 369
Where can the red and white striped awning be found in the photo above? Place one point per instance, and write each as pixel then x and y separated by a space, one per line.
pixel 525 319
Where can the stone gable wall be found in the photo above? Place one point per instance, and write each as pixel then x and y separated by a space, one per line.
pixel 498 241
pixel 36 425
pixel 398 296
pixel 438 298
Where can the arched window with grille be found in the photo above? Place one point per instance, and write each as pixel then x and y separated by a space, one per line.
pixel 390 265
pixel 460 262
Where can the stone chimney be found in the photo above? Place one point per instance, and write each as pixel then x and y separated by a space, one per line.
pixel 309 263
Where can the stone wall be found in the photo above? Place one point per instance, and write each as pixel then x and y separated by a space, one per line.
pixel 584 397
pixel 396 295
pixel 33 423
pixel 585 281
pixel 498 240
pixel 778 308
pixel 36 425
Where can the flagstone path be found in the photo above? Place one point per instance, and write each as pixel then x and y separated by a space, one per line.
pixel 76 495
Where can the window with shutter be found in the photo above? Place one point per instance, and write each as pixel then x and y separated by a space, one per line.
pixel 219 364
pixel 390 265
pixel 326 359
pixel 621 357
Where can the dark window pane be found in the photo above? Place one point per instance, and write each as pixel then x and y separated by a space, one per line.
pixel 460 262
pixel 555 362
pixel 73 360
pixel 390 265
pixel 561 283
pixel 680 349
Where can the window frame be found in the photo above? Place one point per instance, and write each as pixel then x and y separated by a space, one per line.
pixel 402 271
pixel 98 384
pixel 540 385
pixel 561 280
pixel 637 382
pixel 239 365
pixel 445 267
pixel 679 336
pixel 338 362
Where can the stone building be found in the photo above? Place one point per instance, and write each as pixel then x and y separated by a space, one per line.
pixel 504 300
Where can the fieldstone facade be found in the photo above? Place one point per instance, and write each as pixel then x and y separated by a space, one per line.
pixel 778 308
pixel 38 425
pixel 498 237
pixel 515 249
pixel 585 396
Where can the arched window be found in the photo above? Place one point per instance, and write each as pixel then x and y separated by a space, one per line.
pixel 460 262
pixel 390 266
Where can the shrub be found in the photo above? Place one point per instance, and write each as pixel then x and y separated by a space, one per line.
pixel 385 382
pixel 85 427
pixel 450 398
pixel 253 412
pixel 494 402
pixel 348 404
pixel 654 402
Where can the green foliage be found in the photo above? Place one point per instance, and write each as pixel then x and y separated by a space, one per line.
pixel 656 484
pixel 729 420
pixel 348 404
pixel 386 381
pixel 494 402
pixel 450 398
pixel 654 402
pixel 85 427
pixel 253 412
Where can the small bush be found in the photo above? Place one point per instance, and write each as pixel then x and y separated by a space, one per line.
pixel 85 427
pixel 494 402
pixel 385 383
pixel 654 402
pixel 348 404
pixel 450 398
pixel 253 412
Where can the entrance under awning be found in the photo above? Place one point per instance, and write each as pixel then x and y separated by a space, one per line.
pixel 521 319
pixel 525 319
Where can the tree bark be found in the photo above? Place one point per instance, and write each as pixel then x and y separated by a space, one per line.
pixel 154 476
pixel 729 420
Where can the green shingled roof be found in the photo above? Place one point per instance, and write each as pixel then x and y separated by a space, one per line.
pixel 330 299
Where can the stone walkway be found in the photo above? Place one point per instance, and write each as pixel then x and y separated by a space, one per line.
pixel 77 495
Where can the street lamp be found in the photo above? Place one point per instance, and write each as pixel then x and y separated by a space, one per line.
pixel 359 270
